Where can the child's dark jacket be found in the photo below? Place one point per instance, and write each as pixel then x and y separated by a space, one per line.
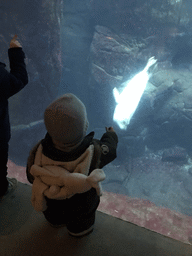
pixel 104 153
pixel 10 84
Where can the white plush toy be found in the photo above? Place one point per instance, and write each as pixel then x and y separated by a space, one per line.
pixel 68 184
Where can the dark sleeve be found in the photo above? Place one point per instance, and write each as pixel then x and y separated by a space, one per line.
pixel 13 82
pixel 108 144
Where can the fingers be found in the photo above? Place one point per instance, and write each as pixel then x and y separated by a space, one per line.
pixel 14 43
pixel 15 37
pixel 109 128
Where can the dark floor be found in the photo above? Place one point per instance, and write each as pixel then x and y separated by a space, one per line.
pixel 24 232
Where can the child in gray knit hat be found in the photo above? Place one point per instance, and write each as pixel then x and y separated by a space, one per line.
pixel 65 167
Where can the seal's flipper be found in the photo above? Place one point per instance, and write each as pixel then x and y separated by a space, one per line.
pixel 150 62
pixel 116 95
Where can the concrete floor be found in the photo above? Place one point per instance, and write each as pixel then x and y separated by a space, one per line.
pixel 24 232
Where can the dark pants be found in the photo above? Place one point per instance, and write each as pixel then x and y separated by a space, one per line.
pixel 77 212
pixel 3 170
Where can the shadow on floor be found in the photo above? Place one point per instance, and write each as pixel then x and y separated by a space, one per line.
pixel 25 232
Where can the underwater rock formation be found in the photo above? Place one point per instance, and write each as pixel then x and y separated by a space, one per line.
pixel 175 154
pixel 167 184
pixel 113 57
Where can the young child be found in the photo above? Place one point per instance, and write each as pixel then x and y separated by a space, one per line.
pixel 65 167
pixel 10 84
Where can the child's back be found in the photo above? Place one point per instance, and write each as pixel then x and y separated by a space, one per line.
pixel 64 167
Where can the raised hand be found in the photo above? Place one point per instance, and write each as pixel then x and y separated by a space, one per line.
pixel 14 43
pixel 109 129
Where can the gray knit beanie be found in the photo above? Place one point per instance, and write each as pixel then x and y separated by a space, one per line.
pixel 66 122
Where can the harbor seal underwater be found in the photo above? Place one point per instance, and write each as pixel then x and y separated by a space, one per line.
pixel 128 100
